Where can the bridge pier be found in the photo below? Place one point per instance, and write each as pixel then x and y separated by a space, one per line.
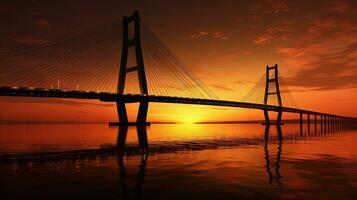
pixel 315 123
pixel 267 93
pixel 321 124
pixel 269 122
pixel 123 116
pixel 308 123
pixel 325 130
pixel 301 121
pixel 332 123
pixel 134 43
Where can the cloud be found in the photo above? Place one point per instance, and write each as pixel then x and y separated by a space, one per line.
pixel 326 57
pixel 221 35
pixel 199 34
pixel 339 6
pixel 274 34
pixel 214 34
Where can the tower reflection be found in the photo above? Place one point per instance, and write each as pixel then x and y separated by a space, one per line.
pixel 273 178
pixel 122 152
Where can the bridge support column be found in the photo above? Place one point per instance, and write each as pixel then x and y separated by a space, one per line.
pixel 142 113
pixel 134 43
pixel 325 127
pixel 300 123
pixel 278 119
pixel 122 115
pixel 308 123
pixel 333 123
pixel 266 116
pixel 315 123
pixel 272 80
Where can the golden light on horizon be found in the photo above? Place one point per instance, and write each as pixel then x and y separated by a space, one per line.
pixel 188 116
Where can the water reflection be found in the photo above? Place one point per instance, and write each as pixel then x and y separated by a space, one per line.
pixel 235 164
pixel 141 134
pixel 140 177
pixel 143 146
pixel 267 157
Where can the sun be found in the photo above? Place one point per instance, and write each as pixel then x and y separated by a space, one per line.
pixel 186 114
pixel 189 116
pixel 189 119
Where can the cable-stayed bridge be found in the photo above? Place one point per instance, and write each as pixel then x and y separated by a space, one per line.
pixel 86 66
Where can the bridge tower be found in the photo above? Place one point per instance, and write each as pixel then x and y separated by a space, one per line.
pixel 272 81
pixel 135 43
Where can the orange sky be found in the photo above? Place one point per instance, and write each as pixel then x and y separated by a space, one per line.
pixel 227 44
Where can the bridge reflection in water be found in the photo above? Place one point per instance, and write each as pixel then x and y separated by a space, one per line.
pixel 143 149
pixel 132 177
pixel 272 157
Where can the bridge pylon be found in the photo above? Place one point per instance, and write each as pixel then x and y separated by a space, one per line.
pixel 272 81
pixel 135 43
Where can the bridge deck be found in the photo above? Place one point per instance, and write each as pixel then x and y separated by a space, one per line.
pixel 112 97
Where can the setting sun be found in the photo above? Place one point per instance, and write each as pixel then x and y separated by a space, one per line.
pixel 188 116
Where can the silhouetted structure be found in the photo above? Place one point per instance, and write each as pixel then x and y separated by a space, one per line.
pixel 144 97
pixel 276 93
pixel 139 68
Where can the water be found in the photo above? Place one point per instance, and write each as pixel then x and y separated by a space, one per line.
pixel 176 161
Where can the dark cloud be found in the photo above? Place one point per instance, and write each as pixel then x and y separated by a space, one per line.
pixel 339 6
pixel 326 56
pixel 276 33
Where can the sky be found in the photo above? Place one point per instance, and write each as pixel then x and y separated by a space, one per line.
pixel 226 44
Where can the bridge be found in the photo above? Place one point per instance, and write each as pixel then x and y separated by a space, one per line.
pixel 193 91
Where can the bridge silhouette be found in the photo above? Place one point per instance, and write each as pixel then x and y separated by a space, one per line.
pixel 179 87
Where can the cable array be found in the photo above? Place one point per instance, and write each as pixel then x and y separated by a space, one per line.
pixel 256 93
pixel 90 61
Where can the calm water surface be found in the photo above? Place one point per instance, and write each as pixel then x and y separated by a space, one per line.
pixel 176 161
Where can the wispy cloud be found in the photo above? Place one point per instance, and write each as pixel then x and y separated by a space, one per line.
pixel 199 34
pixel 339 6
pixel 214 34
pixel 277 33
